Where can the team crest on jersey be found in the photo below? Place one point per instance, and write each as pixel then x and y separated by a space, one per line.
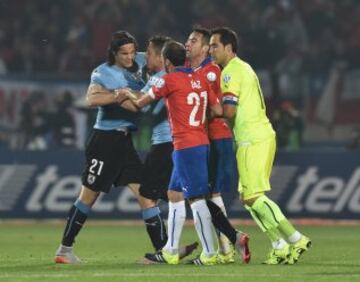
pixel 211 76
pixel 159 83
pixel 91 179
pixel 226 78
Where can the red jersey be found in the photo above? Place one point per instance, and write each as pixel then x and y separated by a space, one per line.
pixel 187 96
pixel 217 127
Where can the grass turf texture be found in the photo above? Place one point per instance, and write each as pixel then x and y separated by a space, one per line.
pixel 110 254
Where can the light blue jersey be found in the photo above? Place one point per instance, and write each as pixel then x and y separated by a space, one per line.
pixel 161 132
pixel 112 116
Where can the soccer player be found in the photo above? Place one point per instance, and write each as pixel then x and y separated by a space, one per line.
pixel 187 96
pixel 111 158
pixel 222 163
pixel 158 163
pixel 255 138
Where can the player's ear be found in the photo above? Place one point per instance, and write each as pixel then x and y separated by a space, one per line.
pixel 228 48
pixel 206 48
pixel 167 62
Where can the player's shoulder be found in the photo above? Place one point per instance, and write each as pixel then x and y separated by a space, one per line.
pixel 99 74
pixel 212 66
pixel 211 71
pixel 232 70
pixel 173 76
pixel 237 65
pixel 157 78
pixel 102 69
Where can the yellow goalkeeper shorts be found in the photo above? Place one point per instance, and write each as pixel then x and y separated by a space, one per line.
pixel 255 163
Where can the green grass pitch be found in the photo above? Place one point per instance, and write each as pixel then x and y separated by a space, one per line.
pixel 110 253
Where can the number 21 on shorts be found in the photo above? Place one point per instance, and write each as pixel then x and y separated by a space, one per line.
pixel 96 166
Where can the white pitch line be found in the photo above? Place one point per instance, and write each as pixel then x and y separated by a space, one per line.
pixel 142 274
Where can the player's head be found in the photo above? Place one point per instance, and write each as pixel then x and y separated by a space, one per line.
pixel 197 45
pixel 153 52
pixel 223 45
pixel 174 55
pixel 122 49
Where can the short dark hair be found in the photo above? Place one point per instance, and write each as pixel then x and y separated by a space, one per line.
pixel 158 41
pixel 118 39
pixel 227 36
pixel 206 34
pixel 175 52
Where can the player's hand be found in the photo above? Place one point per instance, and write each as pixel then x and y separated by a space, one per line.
pixel 119 95
pixel 129 94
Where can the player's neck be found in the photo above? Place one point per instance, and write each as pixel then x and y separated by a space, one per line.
pixel 159 69
pixel 196 62
pixel 228 59
pixel 171 68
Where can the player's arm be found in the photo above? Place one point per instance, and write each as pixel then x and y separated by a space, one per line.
pixel 156 92
pixel 216 111
pixel 97 95
pixel 215 106
pixel 138 100
pixel 230 87
pixel 230 102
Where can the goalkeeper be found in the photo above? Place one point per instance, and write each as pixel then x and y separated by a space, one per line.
pixel 255 138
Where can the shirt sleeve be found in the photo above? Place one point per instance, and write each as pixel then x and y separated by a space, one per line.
pixel 230 87
pixel 97 77
pixel 160 89
pixel 213 77
pixel 147 87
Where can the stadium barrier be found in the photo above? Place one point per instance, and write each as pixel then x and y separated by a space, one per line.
pixel 43 185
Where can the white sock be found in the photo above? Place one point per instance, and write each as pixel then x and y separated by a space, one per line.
pixel 203 226
pixel 176 219
pixel 279 244
pixel 217 200
pixel 63 250
pixel 294 237
pixel 224 243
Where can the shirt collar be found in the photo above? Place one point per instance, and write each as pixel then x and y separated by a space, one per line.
pixel 183 69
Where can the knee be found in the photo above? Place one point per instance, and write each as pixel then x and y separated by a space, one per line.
pixel 135 188
pixel 195 199
pixel 248 202
pixel 146 203
pixel 88 196
pixel 217 194
pixel 174 196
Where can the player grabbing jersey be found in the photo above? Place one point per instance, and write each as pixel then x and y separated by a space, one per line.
pixel 111 159
pixel 187 97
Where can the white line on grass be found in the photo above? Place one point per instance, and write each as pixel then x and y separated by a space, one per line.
pixel 142 274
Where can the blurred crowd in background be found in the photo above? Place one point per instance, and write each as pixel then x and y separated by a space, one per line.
pixel 72 35
pixel 286 41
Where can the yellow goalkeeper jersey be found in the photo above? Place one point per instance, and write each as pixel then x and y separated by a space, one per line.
pixel 240 86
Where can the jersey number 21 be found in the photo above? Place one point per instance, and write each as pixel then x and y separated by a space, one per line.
pixel 195 99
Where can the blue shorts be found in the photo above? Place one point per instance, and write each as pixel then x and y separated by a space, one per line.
pixel 223 174
pixel 190 172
